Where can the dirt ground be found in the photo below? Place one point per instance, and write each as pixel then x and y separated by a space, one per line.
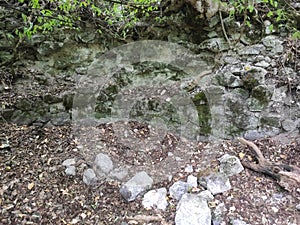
pixel 34 188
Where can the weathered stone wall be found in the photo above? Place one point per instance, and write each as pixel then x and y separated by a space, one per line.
pixel 249 91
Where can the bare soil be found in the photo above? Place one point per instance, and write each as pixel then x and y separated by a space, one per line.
pixel 34 188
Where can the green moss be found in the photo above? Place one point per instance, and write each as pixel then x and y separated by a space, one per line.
pixel 233 130
pixel 199 97
pixel 262 94
pixel 204 115
pixel 250 82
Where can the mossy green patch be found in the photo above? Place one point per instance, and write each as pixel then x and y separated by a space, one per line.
pixel 204 115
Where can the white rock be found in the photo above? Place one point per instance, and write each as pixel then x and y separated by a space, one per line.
pixel 238 222
pixel 89 177
pixel 230 165
pixel 71 170
pixel 178 189
pixel 206 195
pixel 192 181
pixel 217 183
pixel 119 173
pixel 69 162
pixel 156 198
pixel 192 210
pixel 189 169
pixel 103 163
pixel 136 185
pixel 218 214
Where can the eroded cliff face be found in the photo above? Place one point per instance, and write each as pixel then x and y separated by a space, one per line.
pixel 251 88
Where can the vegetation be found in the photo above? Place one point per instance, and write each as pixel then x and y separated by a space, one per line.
pixel 21 19
pixel 107 15
pixel 280 13
pixel 118 16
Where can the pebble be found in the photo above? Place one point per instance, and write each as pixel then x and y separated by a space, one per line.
pixel 178 189
pixel 189 169
pixel 71 170
pixel 89 177
pixel 69 162
pixel 192 181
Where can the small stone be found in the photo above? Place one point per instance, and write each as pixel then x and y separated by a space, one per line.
pixel 278 197
pixel 232 208
pixel 155 198
pixel 218 214
pixel 69 162
pixel 74 221
pixel 192 210
pixel 119 173
pixel 189 169
pixel 178 189
pixel 268 30
pixel 206 195
pixel 230 165
pixel 253 135
pixel 289 125
pixel 238 222
pixel 60 118
pixel 252 50
pixel 170 154
pixel 215 44
pixel 273 43
pixel 274 209
pixel 263 197
pixel 89 177
pixel 229 80
pixel 217 183
pixel 135 186
pixel 83 215
pixel 103 163
pixel 71 170
pixel 263 64
pixel 192 181
pixel 298 207
pixel 228 59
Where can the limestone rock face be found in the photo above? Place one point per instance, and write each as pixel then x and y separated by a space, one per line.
pixel 208 8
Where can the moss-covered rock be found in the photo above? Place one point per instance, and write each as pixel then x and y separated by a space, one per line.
pixel 262 93
pixel 204 115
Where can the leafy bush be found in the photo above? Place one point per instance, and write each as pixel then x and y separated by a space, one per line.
pixel 113 16
pixel 280 13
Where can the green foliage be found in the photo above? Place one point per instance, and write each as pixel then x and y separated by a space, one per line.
pixel 279 12
pixel 116 17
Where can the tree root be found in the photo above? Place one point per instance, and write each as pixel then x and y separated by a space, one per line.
pixel 287 176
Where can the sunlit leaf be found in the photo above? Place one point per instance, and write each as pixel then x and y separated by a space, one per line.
pixel 30 185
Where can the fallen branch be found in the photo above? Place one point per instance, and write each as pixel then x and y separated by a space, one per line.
pixel 287 176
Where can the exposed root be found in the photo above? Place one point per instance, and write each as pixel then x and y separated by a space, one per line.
pixel 287 176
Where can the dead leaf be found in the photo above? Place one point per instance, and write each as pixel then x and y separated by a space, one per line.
pixel 30 185
pixel 241 155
